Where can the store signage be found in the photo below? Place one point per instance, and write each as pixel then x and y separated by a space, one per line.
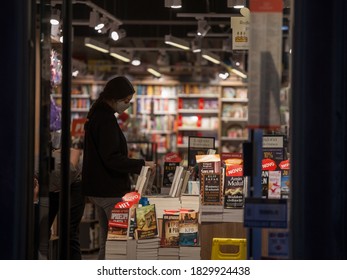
pixel 199 146
pixel 240 34
pixel 77 127
pixel 265 213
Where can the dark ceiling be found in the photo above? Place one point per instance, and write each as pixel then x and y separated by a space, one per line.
pixel 146 23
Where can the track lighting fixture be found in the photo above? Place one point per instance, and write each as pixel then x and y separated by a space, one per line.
pixel 154 72
pixel 123 56
pixel 94 18
pixel 163 59
pixel 136 61
pixel 196 45
pixel 203 28
pixel 174 4
pixel 96 45
pixel 176 42
pixel 101 24
pixel 55 17
pixel 116 33
pixel 223 75
pixel 236 4
pixel 211 57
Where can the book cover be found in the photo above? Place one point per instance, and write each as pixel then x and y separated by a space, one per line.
pixel 118 224
pixel 274 187
pixel 211 189
pixel 188 228
pixel 233 180
pixel 264 183
pixel 170 230
pixel 146 222
pixel 168 173
pixel 285 178
pixel 171 161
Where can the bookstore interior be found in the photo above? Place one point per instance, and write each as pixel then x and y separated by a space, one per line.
pixel 212 89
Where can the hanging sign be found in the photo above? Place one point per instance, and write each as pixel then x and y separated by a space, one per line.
pixel 240 33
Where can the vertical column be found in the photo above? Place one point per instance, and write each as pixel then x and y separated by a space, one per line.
pixel 319 125
pixel 16 123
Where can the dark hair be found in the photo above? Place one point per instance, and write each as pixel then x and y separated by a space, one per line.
pixel 117 88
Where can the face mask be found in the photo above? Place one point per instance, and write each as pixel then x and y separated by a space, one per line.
pixel 121 107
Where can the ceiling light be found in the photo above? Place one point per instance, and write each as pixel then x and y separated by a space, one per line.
pixel 101 23
pixel 176 42
pixel 196 45
pixel 223 75
pixel 211 57
pixel 174 4
pixel 203 28
pixel 123 56
pixel 239 73
pixel 55 16
pixel 96 45
pixel 116 33
pixel 236 4
pixel 154 72
pixel 136 61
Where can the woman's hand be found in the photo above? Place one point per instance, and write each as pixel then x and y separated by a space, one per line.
pixel 151 165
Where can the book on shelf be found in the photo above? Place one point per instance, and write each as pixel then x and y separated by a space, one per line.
pixel 170 229
pixel 188 227
pixel 146 222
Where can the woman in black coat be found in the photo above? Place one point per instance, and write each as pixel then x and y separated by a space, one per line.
pixel 106 165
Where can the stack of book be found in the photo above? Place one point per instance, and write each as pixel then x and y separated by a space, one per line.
pixel 189 253
pixel 147 249
pixel 190 201
pixel 116 250
pixel 211 213
pixel 233 215
pixel 164 202
pixel 166 253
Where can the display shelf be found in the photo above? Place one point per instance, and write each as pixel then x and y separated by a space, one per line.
pixel 198 111
pixel 233 117
pixel 156 108
pixel 230 119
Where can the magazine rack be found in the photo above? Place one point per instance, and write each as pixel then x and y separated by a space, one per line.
pixel 241 254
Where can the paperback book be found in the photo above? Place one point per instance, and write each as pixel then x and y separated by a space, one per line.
pixel 170 230
pixel 146 222
pixel 188 228
pixel 233 180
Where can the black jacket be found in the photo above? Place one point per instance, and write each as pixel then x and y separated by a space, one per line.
pixel 106 166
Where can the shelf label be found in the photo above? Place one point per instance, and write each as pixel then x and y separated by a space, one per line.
pixel 265 213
